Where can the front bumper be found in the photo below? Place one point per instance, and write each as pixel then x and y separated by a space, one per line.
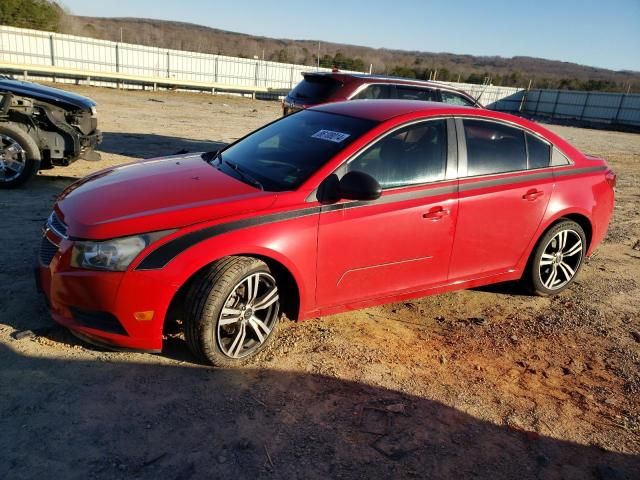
pixel 100 306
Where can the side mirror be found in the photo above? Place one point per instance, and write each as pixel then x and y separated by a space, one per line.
pixel 356 185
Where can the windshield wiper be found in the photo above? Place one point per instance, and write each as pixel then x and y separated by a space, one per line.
pixel 242 172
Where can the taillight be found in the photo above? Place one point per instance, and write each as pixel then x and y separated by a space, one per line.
pixel 612 178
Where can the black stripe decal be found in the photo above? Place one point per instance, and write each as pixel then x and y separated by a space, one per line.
pixel 165 253
pixel 393 198
pixel 503 181
pixel 526 178
pixel 577 171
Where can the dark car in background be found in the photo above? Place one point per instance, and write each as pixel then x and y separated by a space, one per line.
pixel 42 127
pixel 324 87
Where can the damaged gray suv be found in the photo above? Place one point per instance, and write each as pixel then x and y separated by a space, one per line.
pixel 42 127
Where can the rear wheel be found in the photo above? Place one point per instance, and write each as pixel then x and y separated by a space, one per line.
pixel 19 156
pixel 234 309
pixel 557 258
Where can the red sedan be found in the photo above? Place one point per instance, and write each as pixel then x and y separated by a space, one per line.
pixel 337 207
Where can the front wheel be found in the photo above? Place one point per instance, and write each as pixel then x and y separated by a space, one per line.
pixel 234 308
pixel 557 258
pixel 19 156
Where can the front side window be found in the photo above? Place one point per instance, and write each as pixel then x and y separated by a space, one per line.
pixel 415 93
pixel 455 99
pixel 412 155
pixel 493 148
pixel 284 154
pixel 374 92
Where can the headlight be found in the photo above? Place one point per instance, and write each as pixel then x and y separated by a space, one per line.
pixel 94 112
pixel 114 255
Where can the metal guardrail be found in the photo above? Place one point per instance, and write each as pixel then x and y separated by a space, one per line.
pixel 121 80
pixel 37 51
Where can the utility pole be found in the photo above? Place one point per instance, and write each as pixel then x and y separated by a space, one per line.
pixel 318 57
pixel 120 34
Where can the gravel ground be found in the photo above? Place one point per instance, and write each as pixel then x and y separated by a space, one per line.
pixel 485 383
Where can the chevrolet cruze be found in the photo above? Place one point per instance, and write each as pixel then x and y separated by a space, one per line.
pixel 336 207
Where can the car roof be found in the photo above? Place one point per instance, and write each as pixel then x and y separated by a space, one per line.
pixel 374 78
pixel 383 110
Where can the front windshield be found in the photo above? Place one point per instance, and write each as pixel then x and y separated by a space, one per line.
pixel 284 154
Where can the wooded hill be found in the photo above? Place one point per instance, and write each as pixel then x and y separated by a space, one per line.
pixel 515 71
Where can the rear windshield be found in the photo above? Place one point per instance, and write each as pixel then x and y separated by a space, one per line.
pixel 284 154
pixel 315 89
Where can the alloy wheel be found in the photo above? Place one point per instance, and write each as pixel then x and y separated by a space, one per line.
pixel 13 159
pixel 560 259
pixel 248 316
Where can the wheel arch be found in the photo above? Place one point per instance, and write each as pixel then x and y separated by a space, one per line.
pixel 290 292
pixel 581 218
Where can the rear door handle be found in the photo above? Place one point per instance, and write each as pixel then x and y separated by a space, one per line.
pixel 436 213
pixel 532 194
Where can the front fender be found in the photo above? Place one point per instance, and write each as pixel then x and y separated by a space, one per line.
pixel 291 243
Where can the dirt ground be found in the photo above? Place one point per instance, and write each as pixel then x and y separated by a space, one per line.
pixel 486 383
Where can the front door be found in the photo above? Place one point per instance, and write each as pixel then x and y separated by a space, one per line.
pixel 402 241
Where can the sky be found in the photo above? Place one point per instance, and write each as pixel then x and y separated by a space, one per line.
pixel 597 33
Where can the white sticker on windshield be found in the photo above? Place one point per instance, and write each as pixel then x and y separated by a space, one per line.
pixel 331 136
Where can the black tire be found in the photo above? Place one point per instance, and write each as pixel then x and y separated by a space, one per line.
pixel 214 289
pixel 31 154
pixel 539 277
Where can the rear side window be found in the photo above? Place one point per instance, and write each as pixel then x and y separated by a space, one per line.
pixel 315 89
pixel 414 93
pixel 374 92
pixel 493 148
pixel 539 152
pixel 455 99
pixel 412 155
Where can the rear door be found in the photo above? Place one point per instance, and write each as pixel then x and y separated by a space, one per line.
pixel 402 241
pixel 505 186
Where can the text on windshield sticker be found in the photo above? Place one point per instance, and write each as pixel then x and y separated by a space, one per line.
pixel 330 136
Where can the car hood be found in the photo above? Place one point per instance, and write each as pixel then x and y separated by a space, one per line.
pixel 153 195
pixel 47 94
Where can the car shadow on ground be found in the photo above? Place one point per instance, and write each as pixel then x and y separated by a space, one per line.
pixel 506 288
pixel 146 145
pixel 107 419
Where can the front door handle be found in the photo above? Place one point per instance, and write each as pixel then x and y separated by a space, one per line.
pixel 436 213
pixel 532 194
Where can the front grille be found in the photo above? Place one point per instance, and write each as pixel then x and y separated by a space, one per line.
pixel 56 225
pixel 47 251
